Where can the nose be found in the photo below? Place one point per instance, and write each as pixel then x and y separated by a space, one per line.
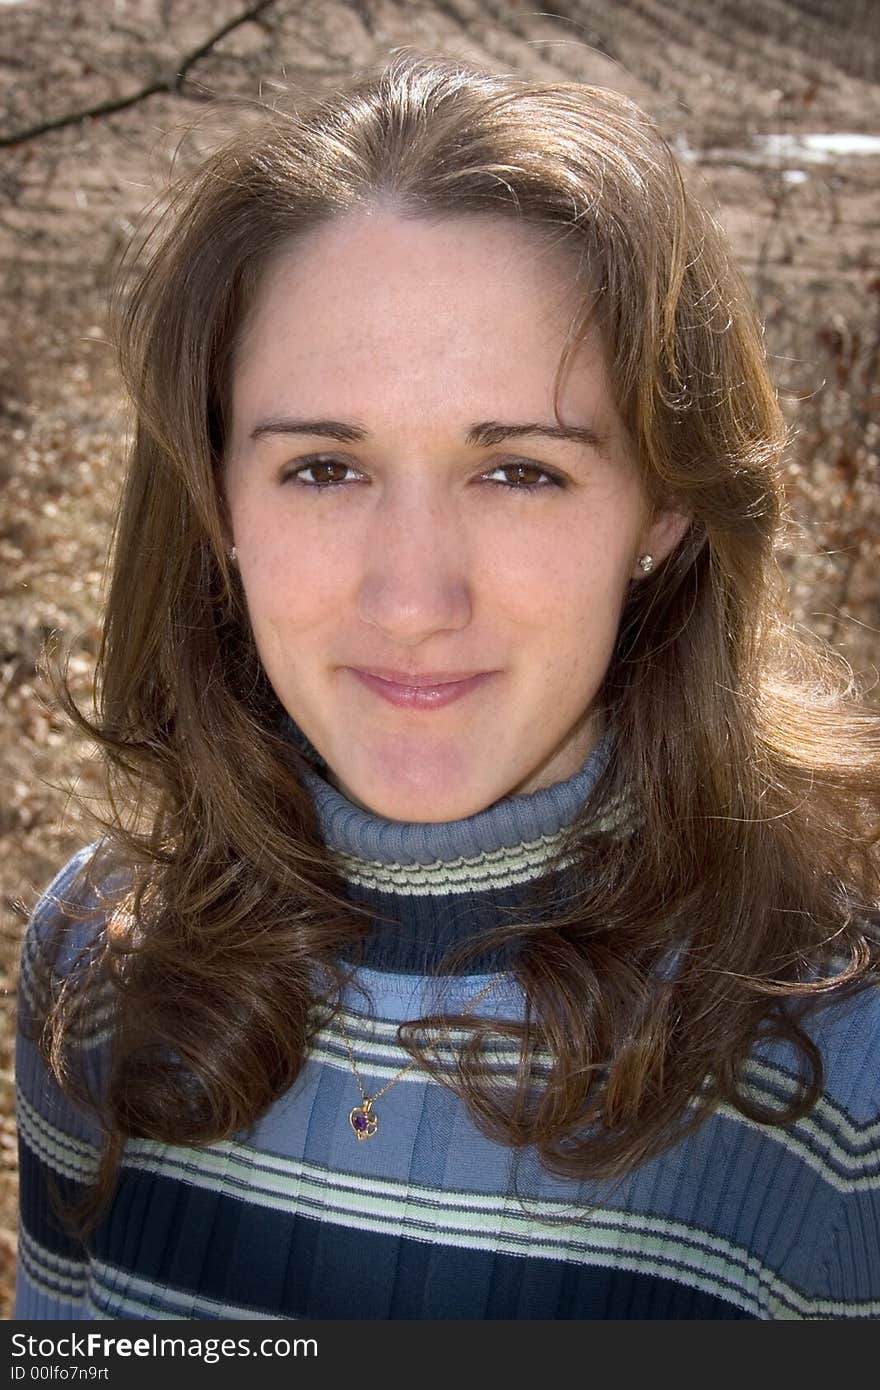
pixel 415 578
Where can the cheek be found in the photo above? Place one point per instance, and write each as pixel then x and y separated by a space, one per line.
pixel 573 577
pixel 290 583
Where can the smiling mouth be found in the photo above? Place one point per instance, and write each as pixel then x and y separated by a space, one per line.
pixel 406 695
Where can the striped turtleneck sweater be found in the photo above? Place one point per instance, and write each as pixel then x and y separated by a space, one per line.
pixel 427 1218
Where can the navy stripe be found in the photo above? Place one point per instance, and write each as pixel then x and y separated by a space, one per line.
pixel 413 935
pixel 43 1199
pixel 229 1251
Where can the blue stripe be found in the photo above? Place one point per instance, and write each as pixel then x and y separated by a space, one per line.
pixel 300 1268
pixel 40 1214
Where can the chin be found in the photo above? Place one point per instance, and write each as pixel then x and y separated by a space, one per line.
pixel 418 809
pixel 415 780
pixel 435 813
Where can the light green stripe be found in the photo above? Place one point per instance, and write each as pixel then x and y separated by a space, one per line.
pixel 788 1139
pixel 101 1010
pixel 824 1111
pixel 491 870
pixel 50 1275
pixel 479 1221
pixel 72 1158
pixel 132 1295
pixel 48 1259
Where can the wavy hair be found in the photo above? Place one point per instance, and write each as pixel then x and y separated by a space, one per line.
pixel 742 890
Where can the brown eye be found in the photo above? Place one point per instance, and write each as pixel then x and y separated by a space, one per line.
pixel 325 473
pixel 527 477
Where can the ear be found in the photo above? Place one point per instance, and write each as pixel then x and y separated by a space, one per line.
pixel 663 533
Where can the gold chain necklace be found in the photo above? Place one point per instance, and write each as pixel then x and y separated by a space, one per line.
pixel 363 1119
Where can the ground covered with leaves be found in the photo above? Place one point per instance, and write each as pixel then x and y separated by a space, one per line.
pixel 99 100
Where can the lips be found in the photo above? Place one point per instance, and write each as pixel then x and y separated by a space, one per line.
pixel 420 692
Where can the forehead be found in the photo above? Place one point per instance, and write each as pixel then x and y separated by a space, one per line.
pixel 411 310
pixel 379 252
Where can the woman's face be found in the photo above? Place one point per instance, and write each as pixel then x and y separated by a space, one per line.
pixel 402 504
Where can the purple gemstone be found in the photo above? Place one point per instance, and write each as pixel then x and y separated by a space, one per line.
pixel 360 1121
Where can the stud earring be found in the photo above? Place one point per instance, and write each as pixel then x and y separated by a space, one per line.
pixel 233 554
pixel 646 563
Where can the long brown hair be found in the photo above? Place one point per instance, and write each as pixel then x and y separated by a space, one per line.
pixel 741 890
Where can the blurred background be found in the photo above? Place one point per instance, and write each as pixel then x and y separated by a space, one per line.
pixel 773 105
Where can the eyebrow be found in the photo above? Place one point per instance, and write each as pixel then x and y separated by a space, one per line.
pixel 325 429
pixel 483 435
pixel 490 432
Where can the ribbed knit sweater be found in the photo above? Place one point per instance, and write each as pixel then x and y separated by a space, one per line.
pixel 428 1218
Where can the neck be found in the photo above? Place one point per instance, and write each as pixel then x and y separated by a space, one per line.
pixel 432 886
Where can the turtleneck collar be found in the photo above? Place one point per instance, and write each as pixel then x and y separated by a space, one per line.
pixel 435 885
pixel 533 818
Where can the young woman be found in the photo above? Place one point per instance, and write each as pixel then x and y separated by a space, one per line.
pixel 487 925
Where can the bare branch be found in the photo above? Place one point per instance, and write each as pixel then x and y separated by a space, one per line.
pixel 171 83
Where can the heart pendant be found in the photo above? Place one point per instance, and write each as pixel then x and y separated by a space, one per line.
pixel 363 1121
